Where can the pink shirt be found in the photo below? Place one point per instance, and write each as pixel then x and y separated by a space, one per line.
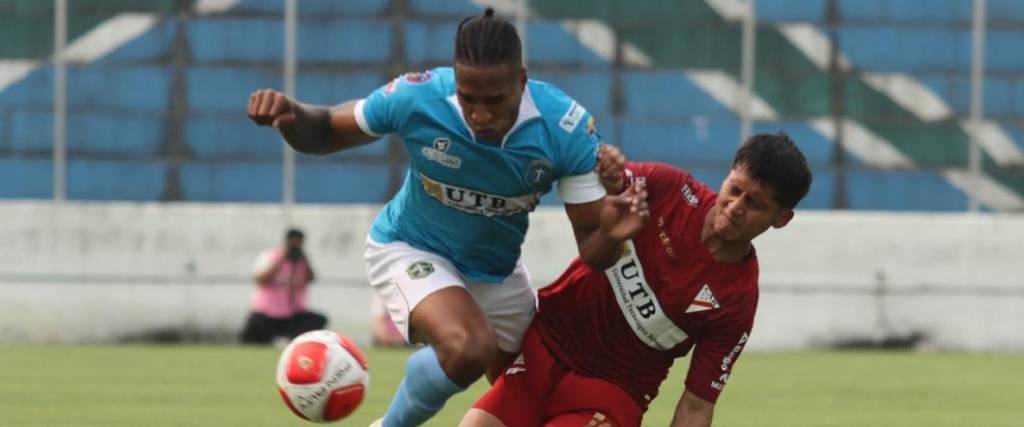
pixel 279 300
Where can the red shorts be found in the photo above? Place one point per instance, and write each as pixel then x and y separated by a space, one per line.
pixel 538 390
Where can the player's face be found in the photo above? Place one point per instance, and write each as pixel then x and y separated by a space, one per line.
pixel 744 208
pixel 489 96
pixel 293 242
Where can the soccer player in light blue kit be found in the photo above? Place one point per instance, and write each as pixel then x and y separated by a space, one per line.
pixel 484 144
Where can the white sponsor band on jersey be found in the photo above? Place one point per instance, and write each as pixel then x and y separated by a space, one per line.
pixel 640 305
pixel 476 202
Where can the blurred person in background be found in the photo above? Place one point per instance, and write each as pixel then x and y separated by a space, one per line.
pixel 278 307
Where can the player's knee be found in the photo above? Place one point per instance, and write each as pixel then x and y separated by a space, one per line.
pixel 467 354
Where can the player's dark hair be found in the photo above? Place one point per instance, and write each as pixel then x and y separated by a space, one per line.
pixel 486 40
pixel 775 161
pixel 294 233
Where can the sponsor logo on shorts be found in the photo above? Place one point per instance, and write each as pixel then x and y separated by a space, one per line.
pixel 639 304
pixel 572 117
pixel 419 269
pixel 476 202
pixel 439 153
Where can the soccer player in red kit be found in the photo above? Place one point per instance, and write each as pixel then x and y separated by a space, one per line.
pixel 603 341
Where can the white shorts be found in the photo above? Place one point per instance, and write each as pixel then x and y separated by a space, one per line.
pixel 403 276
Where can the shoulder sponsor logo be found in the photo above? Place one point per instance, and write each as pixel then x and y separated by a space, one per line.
pixel 704 301
pixel 690 197
pixel 571 119
pixel 419 269
pixel 476 202
pixel 417 77
pixel 438 153
pixel 640 305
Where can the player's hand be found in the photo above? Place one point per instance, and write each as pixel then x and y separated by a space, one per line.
pixel 610 163
pixel 624 215
pixel 268 107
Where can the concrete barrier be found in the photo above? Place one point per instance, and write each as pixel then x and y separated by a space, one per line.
pixel 100 272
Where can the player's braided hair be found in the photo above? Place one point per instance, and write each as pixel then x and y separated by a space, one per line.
pixel 486 40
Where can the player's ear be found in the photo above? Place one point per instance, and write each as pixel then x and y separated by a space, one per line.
pixel 522 76
pixel 784 218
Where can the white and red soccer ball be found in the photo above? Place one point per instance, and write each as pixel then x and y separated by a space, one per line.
pixel 322 376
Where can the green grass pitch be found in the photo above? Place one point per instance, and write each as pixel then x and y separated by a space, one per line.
pixel 153 386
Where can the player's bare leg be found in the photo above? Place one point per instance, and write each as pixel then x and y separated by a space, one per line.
pixel 462 346
pixel 480 418
pixel 452 322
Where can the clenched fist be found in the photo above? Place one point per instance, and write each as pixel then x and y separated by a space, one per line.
pixel 268 107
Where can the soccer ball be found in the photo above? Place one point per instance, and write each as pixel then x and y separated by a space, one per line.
pixel 322 376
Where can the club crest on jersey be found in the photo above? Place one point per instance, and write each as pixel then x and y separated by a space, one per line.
pixel 704 301
pixel 439 153
pixel 419 269
pixel 690 197
pixel 572 117
pixel 476 202
pixel 538 174
pixel 417 77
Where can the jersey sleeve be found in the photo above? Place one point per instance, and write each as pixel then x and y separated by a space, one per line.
pixel 714 358
pixel 578 183
pixel 388 107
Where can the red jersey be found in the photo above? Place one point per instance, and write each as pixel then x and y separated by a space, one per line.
pixel 665 295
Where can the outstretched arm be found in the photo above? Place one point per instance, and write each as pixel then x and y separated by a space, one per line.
pixel 692 411
pixel 309 129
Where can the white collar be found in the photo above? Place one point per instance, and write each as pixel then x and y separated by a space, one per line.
pixel 527 111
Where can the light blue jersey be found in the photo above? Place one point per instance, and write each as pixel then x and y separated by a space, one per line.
pixel 468 200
